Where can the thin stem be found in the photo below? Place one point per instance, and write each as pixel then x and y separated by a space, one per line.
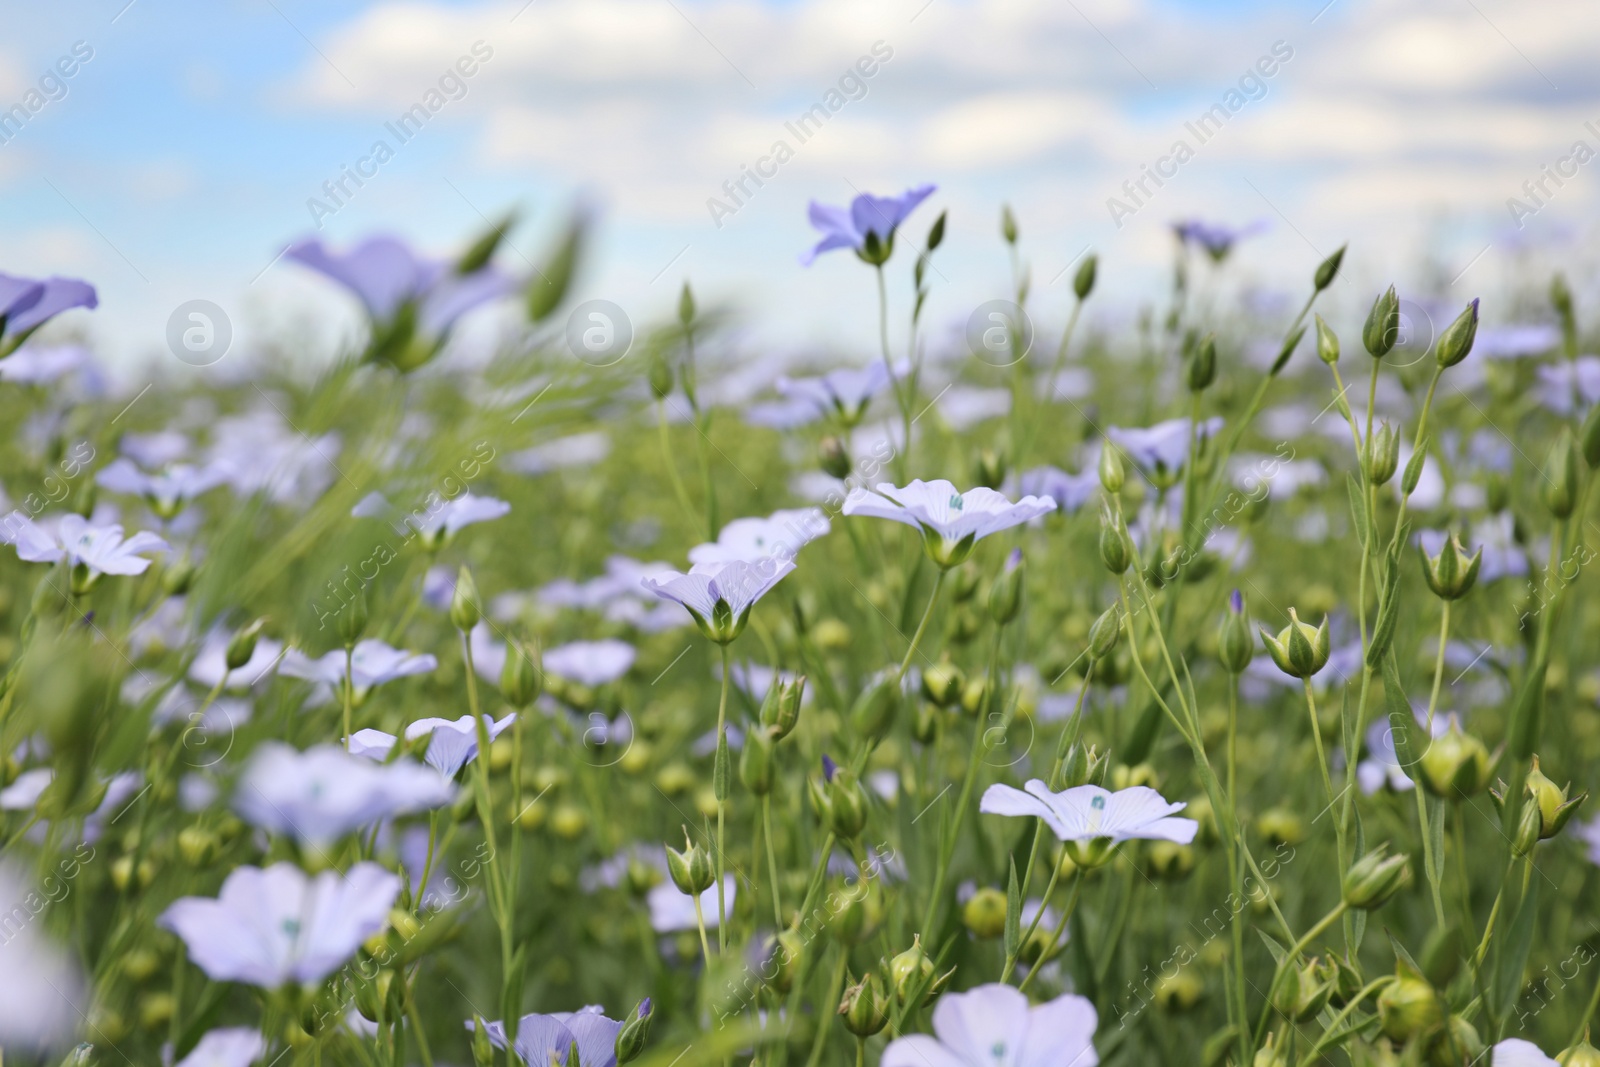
pixel 1055 939
pixel 772 860
pixel 824 1024
pixel 1438 661
pixel 678 488
pixel 722 804
pixel 700 923
pixel 1292 955
pixel 916 638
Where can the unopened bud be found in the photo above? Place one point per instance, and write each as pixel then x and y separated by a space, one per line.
pixel 1083 281
pixel 243 645
pixel 1374 878
pixel 634 1033
pixel 1456 340
pixel 865 1007
pixel 874 710
pixel 1203 364
pixel 1409 1006
pixel 692 870
pixel 1382 455
pixel 1327 343
pixel 522 677
pixel 1328 269
pixel 1111 473
pixel 1560 487
pixel 1113 547
pixel 1236 643
pixel 465 607
pixel 1382 330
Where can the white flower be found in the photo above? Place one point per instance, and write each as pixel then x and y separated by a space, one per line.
pixel 454 741
pixel 720 595
pixel 257 452
pixel 371 663
pixel 672 910
pixel 783 534
pixel 268 927
pixel 437 520
pixel 235 1046
pixel 590 663
pixel 1515 1052
pixel 40 990
pixel 1091 820
pixel 951 521
pixel 1069 491
pixel 994 1026
pixel 167 492
pixel 101 549
pixel 323 793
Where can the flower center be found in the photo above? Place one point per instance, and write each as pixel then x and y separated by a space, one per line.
pixel 956 502
pixel 998 1051
pixel 1097 812
pixel 291 928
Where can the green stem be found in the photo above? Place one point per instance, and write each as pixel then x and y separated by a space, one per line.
pixel 772 860
pixel 1289 959
pixel 1066 918
pixel 722 803
pixel 916 638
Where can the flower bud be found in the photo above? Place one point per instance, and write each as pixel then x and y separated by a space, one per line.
pixel 482 1048
pixel 1269 1056
pixel 1083 281
pixel 1589 438
pixel 1203 364
pixel 1236 645
pixel 989 468
pixel 1298 650
pixel 847 804
pixel 243 645
pixel 1375 877
pixel 1327 343
pixel 1382 329
pixel 1560 487
pixel 465 607
pixel 1113 547
pixel 1179 993
pixel 755 761
pixel 660 376
pixel 1554 807
pixel 522 677
pixel 1452 573
pixel 1456 340
pixel 1169 861
pixel 1328 269
pixel 1111 472
pixel 198 846
pixel 780 710
pixel 685 306
pixel 1104 633
pixel 1381 457
pixel 1008 224
pixel 833 457
pixel 925 724
pixel 1408 1006
pixel 692 870
pixel 912 970
pixel 352 621
pixel 1455 765
pixel 1005 595
pixel 874 710
pixel 788 958
pixel 865 1007
pixel 1280 826
pixel 634 1033
pixel 178 576
pixel 985 913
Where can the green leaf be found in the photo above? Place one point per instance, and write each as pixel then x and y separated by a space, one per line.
pixel 1528 712
pixel 1514 949
pixel 1436 841
pixel 1358 505
pixel 1401 719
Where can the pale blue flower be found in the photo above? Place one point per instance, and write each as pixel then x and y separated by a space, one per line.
pixel 847 227
pixel 1088 812
pixel 782 534
pixel 544 1039
pixel 324 793
pixel 994 1026
pixel 234 1046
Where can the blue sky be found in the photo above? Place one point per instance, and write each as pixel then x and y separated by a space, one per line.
pixel 183 154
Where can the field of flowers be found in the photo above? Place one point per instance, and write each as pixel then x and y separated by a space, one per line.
pixel 1046 696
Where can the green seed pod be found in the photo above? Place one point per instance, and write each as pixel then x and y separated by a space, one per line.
pixel 989 468
pixel 1299 650
pixel 874 710
pixel 1455 765
pixel 522 677
pixel 1083 281
pixel 1374 878
pixel 1456 1044
pixel 780 711
pixel 1589 438
pixel 1561 472
pixel 1409 1006
pixel 1005 595
pixel 865 1007
pixel 1303 992
pixel 1269 1056
pixel 1236 645
pixel 178 577
pixel 1179 993
pixel 985 913
pixel 942 683
pixel 1452 573
pixel 692 870
pixel 1552 803
pixel 1105 632
pixel 1456 340
pixel 1582 1054
pixel 1382 330
pixel 482 1048
pixel 847 804
pixel 912 970
pixel 465 607
pixel 685 306
pixel 1327 343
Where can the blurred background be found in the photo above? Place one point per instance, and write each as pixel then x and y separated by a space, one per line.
pixel 1449 141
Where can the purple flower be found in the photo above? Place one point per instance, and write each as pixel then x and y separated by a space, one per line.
pixel 371 664
pixel 438 521
pixel 453 742
pixel 27 304
pixel 1517 340
pixel 843 393
pixel 994 1025
pixel 782 534
pixel 167 492
pixel 720 595
pixel 235 1046
pixel 273 926
pixel 1069 491
pixel 101 549
pixel 412 302
pixel 1163 448
pixel 1566 388
pixel 878 216
pixel 546 1039
pixel 590 663
pixel 1217 240
pixel 324 793
pixel 951 521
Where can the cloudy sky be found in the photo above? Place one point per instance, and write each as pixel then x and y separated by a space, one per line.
pixel 193 140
